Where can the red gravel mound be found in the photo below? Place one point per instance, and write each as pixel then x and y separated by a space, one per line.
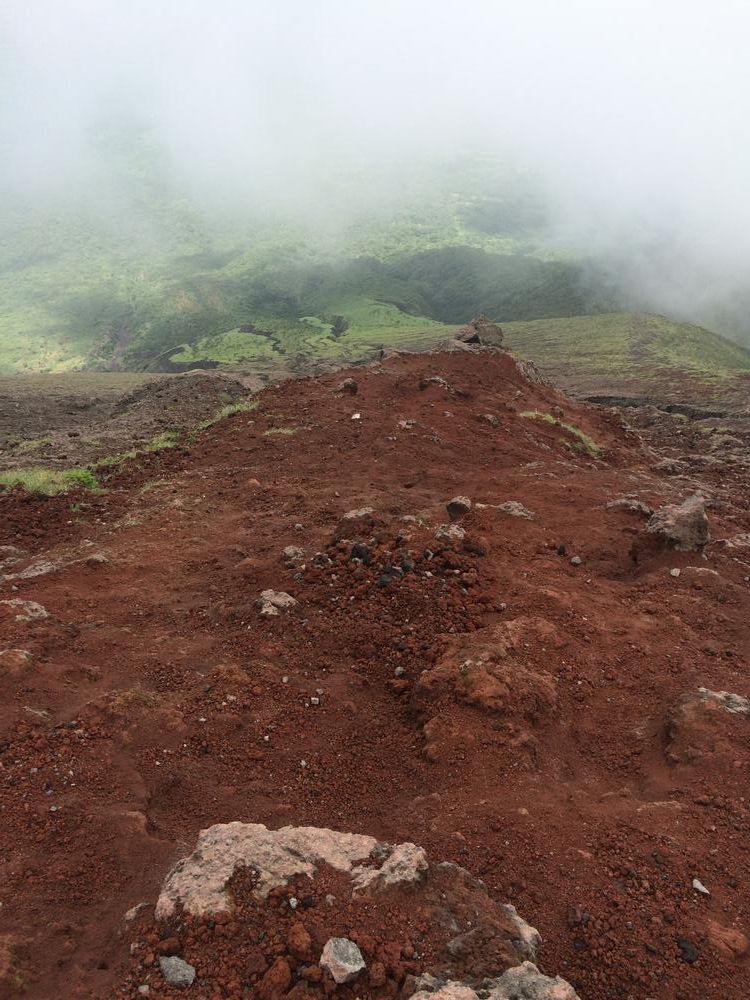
pixel 475 692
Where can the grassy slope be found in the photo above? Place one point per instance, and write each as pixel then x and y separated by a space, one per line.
pixel 626 350
pixel 87 286
pixel 119 281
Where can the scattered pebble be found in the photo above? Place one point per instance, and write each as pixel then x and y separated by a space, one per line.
pixel 176 971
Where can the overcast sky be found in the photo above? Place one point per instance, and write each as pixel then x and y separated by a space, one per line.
pixel 635 113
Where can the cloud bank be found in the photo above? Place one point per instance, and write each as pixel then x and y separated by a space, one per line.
pixel 634 116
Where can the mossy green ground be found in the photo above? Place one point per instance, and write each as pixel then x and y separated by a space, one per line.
pixel 619 348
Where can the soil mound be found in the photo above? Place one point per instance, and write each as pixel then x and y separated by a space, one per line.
pixel 497 680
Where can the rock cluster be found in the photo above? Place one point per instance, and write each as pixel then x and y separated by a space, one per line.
pixel 488 945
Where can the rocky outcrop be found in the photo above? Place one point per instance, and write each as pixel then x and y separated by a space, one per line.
pixel 682 526
pixel 524 982
pixel 480 330
pixel 199 882
pixel 472 939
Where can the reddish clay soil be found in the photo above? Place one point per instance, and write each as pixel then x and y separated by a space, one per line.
pixel 584 784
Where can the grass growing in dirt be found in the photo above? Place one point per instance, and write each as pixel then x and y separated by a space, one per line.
pixel 244 406
pixel 49 482
pixel 33 444
pixel 583 443
pixel 288 431
pixel 154 484
pixel 168 439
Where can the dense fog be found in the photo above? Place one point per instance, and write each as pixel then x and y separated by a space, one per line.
pixel 631 118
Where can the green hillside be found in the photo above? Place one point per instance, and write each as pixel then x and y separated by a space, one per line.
pixel 632 353
pixel 133 274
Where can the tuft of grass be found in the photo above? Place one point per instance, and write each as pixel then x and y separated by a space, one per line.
pixel 33 444
pixel 154 484
pixel 49 482
pixel 280 430
pixel 584 443
pixel 167 439
pixel 243 406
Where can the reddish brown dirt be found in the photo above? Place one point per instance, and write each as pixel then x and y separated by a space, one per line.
pixel 143 713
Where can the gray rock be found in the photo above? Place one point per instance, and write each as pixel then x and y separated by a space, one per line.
pixel 27 610
pixel 176 971
pixel 343 959
pixel 273 602
pixel 523 982
pixel 516 509
pixel 458 507
pixel 670 467
pixel 450 533
pixel 348 386
pixel 733 703
pixel 576 561
pixel 631 504
pixel 293 554
pixel 682 526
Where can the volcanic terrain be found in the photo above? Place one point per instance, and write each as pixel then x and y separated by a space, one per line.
pixel 528 685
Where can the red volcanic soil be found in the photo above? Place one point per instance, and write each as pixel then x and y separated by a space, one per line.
pixel 535 721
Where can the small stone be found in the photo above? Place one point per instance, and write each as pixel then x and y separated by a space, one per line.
pixel 516 509
pixel 362 552
pixel 458 507
pixel 342 959
pixel 700 887
pixel 489 418
pixel 576 561
pixel 176 971
pixel 356 416
pixel 450 533
pixel 144 990
pixel 349 387
pixel 399 671
pixel 315 701
pixel 674 572
pixel 272 602
pixel 293 554
pixel 688 949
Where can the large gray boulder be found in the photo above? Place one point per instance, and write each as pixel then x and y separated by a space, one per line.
pixel 682 526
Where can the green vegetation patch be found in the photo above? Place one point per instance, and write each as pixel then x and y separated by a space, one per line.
pixel 243 406
pixel 284 431
pixel 583 443
pixel 33 444
pixel 621 345
pixel 50 482
pixel 167 439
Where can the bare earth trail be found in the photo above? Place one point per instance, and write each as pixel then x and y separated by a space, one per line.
pixel 155 700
